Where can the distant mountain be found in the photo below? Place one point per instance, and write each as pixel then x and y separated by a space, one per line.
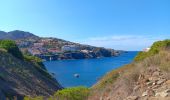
pixel 15 35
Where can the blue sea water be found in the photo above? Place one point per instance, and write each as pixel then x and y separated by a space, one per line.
pixel 90 70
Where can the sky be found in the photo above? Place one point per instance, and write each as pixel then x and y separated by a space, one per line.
pixel 117 24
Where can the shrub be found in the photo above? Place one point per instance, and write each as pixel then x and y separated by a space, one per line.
pixel 11 48
pixel 34 60
pixel 36 98
pixel 155 49
pixel 75 93
pixel 39 66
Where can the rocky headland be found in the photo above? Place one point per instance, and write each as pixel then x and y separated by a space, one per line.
pixel 49 48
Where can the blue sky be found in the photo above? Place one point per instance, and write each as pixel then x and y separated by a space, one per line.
pixel 117 24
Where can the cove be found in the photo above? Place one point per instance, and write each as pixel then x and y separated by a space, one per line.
pixel 89 70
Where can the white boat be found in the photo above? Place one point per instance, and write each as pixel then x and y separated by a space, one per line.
pixel 76 75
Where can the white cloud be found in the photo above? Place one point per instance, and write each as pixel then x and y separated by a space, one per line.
pixel 124 42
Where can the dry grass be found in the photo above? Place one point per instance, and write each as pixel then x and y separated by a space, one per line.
pixel 121 81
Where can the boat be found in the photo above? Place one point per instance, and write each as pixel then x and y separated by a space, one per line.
pixel 76 75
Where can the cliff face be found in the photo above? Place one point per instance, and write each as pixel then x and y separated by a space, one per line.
pixel 144 79
pixel 20 78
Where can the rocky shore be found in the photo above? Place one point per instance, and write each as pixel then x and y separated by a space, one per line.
pixel 82 55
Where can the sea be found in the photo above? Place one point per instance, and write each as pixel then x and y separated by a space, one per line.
pixel 86 72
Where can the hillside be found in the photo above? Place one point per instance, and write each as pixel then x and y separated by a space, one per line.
pixel 21 77
pixel 15 35
pixel 147 78
pixel 55 49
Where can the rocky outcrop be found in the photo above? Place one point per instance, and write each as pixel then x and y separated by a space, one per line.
pixel 151 85
pixel 94 54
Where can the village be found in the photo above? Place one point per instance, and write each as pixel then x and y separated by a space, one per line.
pixel 52 49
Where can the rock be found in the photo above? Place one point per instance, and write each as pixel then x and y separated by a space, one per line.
pixel 156 86
pixel 167 82
pixel 108 98
pixel 154 83
pixel 156 73
pixel 132 98
pixel 161 81
pixel 149 83
pixel 158 69
pixel 141 77
pixel 101 98
pixel 163 94
pixel 144 93
pixel 153 79
pixel 167 91
pixel 151 92
pixel 157 94
pixel 136 87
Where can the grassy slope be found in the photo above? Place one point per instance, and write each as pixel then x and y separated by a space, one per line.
pixel 19 77
pixel 158 56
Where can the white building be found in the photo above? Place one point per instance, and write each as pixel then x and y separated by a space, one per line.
pixel 85 51
pixel 69 48
pixel 146 49
pixel 38 45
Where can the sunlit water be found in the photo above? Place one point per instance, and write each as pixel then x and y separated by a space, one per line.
pixel 90 70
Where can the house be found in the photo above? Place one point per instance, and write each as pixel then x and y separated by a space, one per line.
pixel 85 51
pixel 69 48
pixel 34 52
pixel 23 44
pixel 54 50
pixel 46 40
pixel 38 45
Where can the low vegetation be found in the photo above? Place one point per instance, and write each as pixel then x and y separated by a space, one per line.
pixel 155 49
pixel 11 47
pixel 119 83
pixel 75 93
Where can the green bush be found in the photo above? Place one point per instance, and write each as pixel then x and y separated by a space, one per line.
pixel 11 48
pixel 155 49
pixel 34 60
pixel 39 66
pixel 36 98
pixel 75 93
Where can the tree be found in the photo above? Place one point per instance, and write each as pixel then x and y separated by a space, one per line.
pixel 11 48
